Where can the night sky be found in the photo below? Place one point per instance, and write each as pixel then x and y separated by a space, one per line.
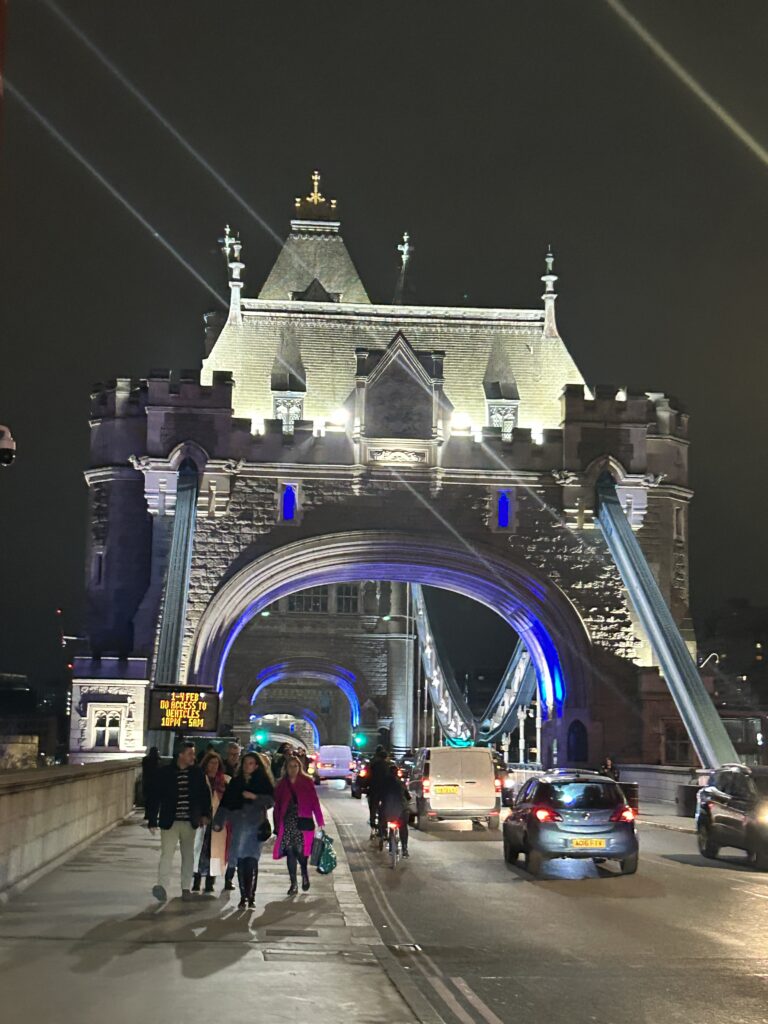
pixel 485 130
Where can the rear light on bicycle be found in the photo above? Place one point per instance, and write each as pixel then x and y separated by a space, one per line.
pixel 623 814
pixel 393 824
pixel 497 784
pixel 426 787
pixel 546 814
pixel 363 772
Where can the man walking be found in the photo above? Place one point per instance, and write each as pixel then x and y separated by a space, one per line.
pixel 183 803
pixel 231 768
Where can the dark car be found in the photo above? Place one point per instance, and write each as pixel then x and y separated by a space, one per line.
pixel 732 810
pixel 574 815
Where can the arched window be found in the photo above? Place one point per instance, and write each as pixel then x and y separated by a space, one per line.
pixel 578 743
pixel 100 733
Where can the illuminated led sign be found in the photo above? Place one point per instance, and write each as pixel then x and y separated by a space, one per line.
pixel 183 710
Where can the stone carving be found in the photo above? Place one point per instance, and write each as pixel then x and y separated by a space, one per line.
pixel 289 409
pixel 398 455
pixel 654 479
pixel 564 477
pixel 503 415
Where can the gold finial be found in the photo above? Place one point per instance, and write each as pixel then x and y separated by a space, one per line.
pixel 315 206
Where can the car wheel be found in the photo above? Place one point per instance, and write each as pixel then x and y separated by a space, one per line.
pixel 707 846
pixel 629 864
pixel 493 823
pixel 533 862
pixel 760 858
pixel 510 855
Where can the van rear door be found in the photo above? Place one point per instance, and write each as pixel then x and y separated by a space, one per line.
pixel 445 779
pixel 478 792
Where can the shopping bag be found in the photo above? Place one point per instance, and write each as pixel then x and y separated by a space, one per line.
pixel 317 849
pixel 327 861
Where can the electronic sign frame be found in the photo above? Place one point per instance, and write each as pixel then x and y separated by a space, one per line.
pixel 182 709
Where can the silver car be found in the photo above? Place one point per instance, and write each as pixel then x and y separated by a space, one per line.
pixel 575 815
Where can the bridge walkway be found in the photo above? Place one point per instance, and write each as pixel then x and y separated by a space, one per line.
pixel 88 943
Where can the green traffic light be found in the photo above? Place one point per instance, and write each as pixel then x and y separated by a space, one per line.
pixel 261 736
pixel 359 740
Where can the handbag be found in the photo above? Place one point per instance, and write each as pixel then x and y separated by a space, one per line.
pixel 265 831
pixel 304 824
pixel 317 849
pixel 327 860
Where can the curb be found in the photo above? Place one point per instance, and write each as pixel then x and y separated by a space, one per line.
pixel 691 831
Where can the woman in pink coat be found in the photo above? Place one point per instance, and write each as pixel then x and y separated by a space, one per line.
pixel 297 811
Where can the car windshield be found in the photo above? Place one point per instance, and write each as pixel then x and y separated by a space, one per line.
pixel 580 796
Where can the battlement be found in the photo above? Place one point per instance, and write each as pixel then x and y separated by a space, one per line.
pixel 118 398
pixel 610 404
pixel 183 389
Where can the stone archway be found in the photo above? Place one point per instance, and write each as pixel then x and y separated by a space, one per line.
pixel 534 606
pixel 317 671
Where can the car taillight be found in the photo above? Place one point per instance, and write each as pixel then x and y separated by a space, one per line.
pixel 497 785
pixel 399 773
pixel 426 787
pixel 546 814
pixel 623 814
pixel 363 772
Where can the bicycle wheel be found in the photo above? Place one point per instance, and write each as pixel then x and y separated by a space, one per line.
pixel 394 848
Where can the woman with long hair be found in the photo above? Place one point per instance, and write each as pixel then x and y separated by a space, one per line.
pixel 211 846
pixel 297 811
pixel 245 802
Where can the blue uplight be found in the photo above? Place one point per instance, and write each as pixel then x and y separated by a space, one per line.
pixel 502 510
pixel 289 502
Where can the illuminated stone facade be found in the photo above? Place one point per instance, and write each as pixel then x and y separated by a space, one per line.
pixel 319 414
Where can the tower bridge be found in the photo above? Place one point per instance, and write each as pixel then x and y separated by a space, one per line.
pixel 273 506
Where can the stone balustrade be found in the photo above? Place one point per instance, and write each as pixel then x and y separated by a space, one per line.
pixel 47 814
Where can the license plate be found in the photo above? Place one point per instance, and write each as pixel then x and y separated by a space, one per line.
pixel 588 844
pixel 446 789
pixel 326 766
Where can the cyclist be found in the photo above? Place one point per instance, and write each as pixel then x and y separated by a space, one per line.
pixel 378 772
pixel 394 805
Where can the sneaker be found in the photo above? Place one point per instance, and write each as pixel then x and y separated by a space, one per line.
pixel 229 885
pixel 186 894
pixel 158 891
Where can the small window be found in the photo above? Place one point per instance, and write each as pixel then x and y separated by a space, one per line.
pixel 100 731
pixel 314 600
pixel 347 598
pixel 97 567
pixel 503 509
pixel 288 503
pixel 679 514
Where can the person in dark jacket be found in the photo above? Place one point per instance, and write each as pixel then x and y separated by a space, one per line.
pixel 610 769
pixel 244 804
pixel 150 766
pixel 183 803
pixel 378 772
pixel 394 801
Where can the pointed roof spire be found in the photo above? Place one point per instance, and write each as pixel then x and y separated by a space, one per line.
pixel 406 250
pixel 549 296
pixel 231 246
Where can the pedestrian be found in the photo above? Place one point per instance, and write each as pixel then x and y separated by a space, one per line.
pixel 244 804
pixel 610 769
pixel 378 771
pixel 183 804
pixel 150 766
pixel 231 768
pixel 210 845
pixel 297 811
pixel 394 805
pixel 278 760
pixel 201 754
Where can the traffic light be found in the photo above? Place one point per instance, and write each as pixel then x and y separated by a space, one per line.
pixel 261 736
pixel 359 739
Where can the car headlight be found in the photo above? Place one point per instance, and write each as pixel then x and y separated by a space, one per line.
pixel 762 814
pixel 508 783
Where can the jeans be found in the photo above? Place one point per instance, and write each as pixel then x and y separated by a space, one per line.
pixel 182 834
pixel 247 876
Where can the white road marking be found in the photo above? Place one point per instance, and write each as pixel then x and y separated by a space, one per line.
pixel 474 1000
pixel 437 980
pixel 760 895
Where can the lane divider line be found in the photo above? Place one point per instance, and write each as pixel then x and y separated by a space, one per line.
pixel 472 997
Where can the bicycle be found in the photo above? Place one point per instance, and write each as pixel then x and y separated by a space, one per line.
pixel 393 843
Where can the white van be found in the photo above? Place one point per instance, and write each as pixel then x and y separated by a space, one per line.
pixel 335 762
pixel 454 783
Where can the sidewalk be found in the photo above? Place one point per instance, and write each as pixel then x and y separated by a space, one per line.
pixel 87 944
pixel 665 816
